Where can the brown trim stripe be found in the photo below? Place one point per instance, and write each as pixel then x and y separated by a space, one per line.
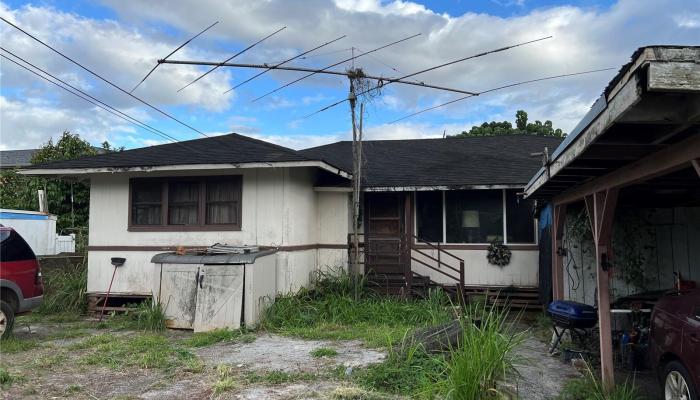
pixel 301 247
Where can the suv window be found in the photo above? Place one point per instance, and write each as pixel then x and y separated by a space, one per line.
pixel 13 247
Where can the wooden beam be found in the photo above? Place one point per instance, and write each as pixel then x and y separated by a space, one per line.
pixel 674 76
pixel 601 209
pixel 558 260
pixel 696 165
pixel 673 157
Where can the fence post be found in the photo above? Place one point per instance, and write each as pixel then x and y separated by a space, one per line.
pixel 461 292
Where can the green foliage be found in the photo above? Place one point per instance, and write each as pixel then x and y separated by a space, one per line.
pixel 324 352
pixel 279 377
pixel 634 244
pixel 20 192
pixel 140 350
pixel 225 381
pixel 13 344
pixel 149 316
pixel 590 388
pixel 495 128
pixel 330 311
pixel 7 379
pixel 203 339
pixel 65 290
pixel 484 356
pixel 408 370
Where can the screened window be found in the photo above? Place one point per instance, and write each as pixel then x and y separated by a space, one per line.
pixel 520 227
pixel 186 203
pixel 429 216
pixel 146 203
pixel 474 216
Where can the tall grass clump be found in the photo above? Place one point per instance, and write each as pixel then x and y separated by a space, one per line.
pixel 65 290
pixel 336 308
pixel 484 355
pixel 590 387
pixel 150 316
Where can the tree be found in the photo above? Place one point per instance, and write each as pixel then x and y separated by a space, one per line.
pixel 522 127
pixel 68 200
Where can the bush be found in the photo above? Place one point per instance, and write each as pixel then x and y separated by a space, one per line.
pixel 65 290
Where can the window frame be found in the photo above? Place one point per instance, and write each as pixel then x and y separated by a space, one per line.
pixel 475 245
pixel 201 205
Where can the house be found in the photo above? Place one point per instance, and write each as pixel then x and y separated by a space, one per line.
pixel 454 195
pixel 635 154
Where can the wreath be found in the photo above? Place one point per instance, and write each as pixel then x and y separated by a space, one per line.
pixel 498 254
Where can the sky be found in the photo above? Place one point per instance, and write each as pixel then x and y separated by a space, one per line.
pixel 122 40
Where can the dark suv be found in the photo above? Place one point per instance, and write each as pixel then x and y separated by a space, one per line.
pixel 675 343
pixel 21 286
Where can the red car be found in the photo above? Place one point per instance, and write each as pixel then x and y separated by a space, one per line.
pixel 675 344
pixel 21 286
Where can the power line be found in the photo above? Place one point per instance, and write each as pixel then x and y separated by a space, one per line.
pixel 382 84
pixel 126 118
pixel 500 88
pixel 333 65
pixel 104 79
pixel 283 62
pixel 171 53
pixel 234 56
pixel 130 118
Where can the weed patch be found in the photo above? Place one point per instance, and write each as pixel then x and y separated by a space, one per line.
pixel 13 344
pixel 225 380
pixel 141 351
pixel 324 352
pixel 203 339
pixel 65 290
pixel 589 387
pixel 6 378
pixel 279 377
pixel 331 311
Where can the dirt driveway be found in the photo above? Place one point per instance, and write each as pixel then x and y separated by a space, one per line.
pixel 84 360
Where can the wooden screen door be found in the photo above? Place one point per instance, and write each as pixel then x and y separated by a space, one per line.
pixel 384 233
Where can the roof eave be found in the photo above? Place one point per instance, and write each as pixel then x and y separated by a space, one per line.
pixel 185 167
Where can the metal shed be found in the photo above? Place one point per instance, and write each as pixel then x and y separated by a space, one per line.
pixel 206 292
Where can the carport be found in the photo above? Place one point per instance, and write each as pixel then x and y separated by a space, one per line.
pixel 639 146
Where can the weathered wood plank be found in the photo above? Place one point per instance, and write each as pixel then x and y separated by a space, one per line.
pixel 674 76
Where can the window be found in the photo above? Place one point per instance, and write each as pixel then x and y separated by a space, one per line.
pixel 198 203
pixel 520 223
pixel 474 216
pixel 429 216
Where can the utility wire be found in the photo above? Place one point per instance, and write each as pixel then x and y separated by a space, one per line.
pixel 500 88
pixel 125 117
pixel 283 62
pixel 103 79
pixel 122 114
pixel 333 65
pixel 171 53
pixel 234 56
pixel 389 81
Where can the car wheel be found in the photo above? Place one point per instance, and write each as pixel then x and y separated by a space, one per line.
pixel 7 319
pixel 677 385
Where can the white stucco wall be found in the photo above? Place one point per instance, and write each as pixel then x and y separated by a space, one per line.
pixel 279 208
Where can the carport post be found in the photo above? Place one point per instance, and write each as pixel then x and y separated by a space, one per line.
pixel 557 258
pixel 601 209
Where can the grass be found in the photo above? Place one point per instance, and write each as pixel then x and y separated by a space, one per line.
pixel 12 344
pixel 6 378
pixel 331 311
pixel 589 387
pixel 324 352
pixel 279 377
pixel 203 339
pixel 148 351
pixel 65 290
pixel 225 380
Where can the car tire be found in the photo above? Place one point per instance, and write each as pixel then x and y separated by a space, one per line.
pixel 676 383
pixel 7 319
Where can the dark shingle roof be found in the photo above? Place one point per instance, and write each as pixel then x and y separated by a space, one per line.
pixel 16 158
pixel 227 149
pixel 480 160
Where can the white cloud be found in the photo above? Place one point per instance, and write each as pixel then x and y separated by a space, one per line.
pixel 126 48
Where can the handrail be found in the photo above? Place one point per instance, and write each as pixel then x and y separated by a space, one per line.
pixel 435 269
pixel 436 247
pixel 436 260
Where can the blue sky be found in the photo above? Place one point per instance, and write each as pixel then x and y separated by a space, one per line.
pixel 122 41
